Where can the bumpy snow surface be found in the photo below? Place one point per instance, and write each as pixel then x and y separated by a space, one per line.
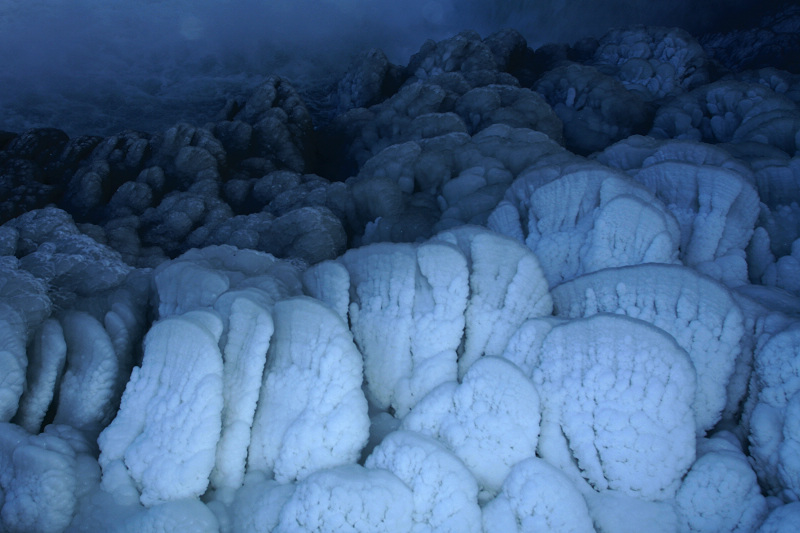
pixel 492 289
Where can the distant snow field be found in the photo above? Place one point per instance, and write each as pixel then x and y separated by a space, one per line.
pixel 291 267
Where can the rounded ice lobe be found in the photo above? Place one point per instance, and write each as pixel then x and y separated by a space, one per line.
pixel 730 111
pixel 579 217
pixel 490 420
pixel 348 498
pixel 720 492
pixel 311 411
pixel 445 492
pixel 775 402
pixel 536 496
pixel 698 312
pixel 656 62
pixel 619 393
pixel 502 294
pixel 597 110
pixel 164 437
pixel 407 305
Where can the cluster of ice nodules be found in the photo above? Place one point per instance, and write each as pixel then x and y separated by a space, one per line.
pixel 518 337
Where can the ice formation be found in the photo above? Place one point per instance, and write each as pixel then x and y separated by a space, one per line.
pixel 496 288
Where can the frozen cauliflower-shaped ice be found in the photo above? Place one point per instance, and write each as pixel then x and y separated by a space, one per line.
pixel 445 492
pixel 407 316
pixel 311 412
pixel 697 311
pixel 619 392
pixel 507 286
pixel 583 217
pixel 162 443
pixel 537 497
pixel 490 420
pixel 348 498
pixel 720 492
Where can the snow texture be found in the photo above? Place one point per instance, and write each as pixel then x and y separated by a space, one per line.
pixel 730 111
pixel 86 393
pixel 247 337
pixel 604 219
pixel 653 61
pixel 617 512
pixel 596 109
pixel 258 503
pixel 164 438
pixel 710 194
pixel 698 312
pixel 445 493
pixel 152 279
pixel 171 517
pixel 348 498
pixel 490 420
pixel 773 425
pixel 38 481
pixel 45 365
pixel 720 492
pixel 619 391
pixel 502 294
pixel 537 497
pixel 406 311
pixel 783 519
pixel 13 360
pixel 311 411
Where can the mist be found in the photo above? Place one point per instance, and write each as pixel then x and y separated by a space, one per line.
pixel 101 66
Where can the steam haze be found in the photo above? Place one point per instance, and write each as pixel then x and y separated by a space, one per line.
pixel 100 66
